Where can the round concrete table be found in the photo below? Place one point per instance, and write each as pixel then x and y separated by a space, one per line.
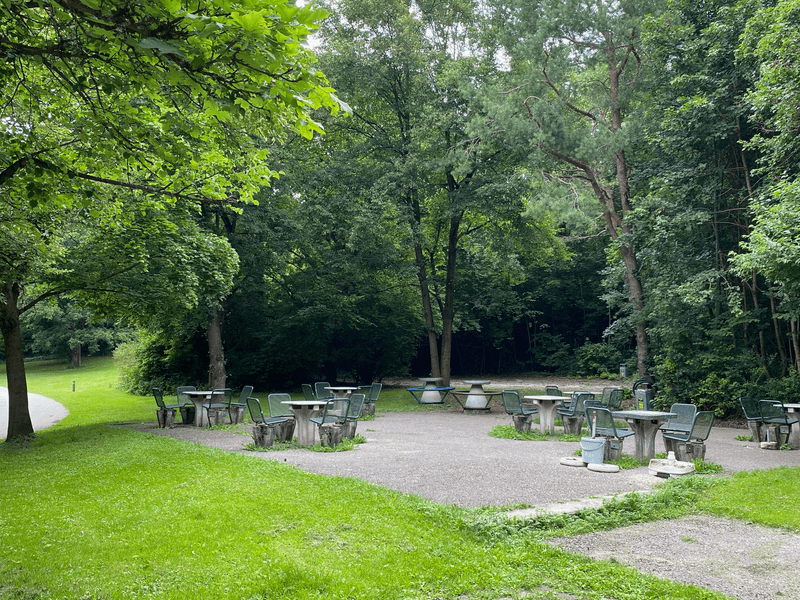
pixel 433 396
pixel 342 392
pixel 547 411
pixel 645 424
pixel 303 411
pixel 476 399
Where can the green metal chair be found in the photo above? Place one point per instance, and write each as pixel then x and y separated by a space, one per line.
pixel 552 390
pixel 308 391
pixel 514 406
pixel 601 423
pixel 242 401
pixel 372 392
pixel 575 406
pixel 220 399
pixel 320 391
pixel 187 409
pixel 698 430
pixel 335 412
pixel 773 413
pixel 681 423
pixel 258 416
pixel 277 408
pixel 159 396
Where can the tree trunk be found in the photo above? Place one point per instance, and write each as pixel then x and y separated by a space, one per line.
pixel 778 334
pixel 795 344
pixel 216 368
pixel 19 417
pixel 75 356
pixel 427 308
pixel 448 312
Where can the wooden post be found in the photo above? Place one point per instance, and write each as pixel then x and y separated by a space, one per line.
pixel 613 450
pixel 284 432
pixel 522 423
pixel 263 435
pixel 572 424
pixel 349 429
pixel 187 414
pixel 166 417
pixel 330 435
pixel 237 414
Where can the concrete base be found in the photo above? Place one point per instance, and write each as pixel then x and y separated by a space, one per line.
pixel 522 423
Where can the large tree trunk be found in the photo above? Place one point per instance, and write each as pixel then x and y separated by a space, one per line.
pixel 19 417
pixel 422 275
pixel 216 367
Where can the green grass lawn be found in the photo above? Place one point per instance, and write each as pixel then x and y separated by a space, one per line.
pixel 91 510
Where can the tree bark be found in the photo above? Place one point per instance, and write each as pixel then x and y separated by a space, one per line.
pixel 778 334
pixel 427 308
pixel 448 312
pixel 216 368
pixel 19 417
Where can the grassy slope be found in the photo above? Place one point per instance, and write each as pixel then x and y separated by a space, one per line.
pixel 90 510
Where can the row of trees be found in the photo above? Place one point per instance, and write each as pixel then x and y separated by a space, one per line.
pixel 513 180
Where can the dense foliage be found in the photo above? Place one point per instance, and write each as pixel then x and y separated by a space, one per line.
pixel 517 187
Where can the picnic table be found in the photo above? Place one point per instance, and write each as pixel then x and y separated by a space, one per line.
pixel 645 425
pixel 475 398
pixel 547 411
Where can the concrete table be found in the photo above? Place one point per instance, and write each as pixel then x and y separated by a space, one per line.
pixel 793 410
pixel 198 398
pixel 342 392
pixel 477 398
pixel 433 395
pixel 645 424
pixel 547 411
pixel 303 411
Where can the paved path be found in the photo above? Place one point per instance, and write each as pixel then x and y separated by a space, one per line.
pixel 44 412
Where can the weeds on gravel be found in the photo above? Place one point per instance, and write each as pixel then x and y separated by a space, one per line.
pixel 671 499
pixel 344 445
pixel 508 432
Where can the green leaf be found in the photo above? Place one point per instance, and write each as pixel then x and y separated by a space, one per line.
pixel 161 46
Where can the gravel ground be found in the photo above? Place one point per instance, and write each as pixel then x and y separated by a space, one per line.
pixel 446 456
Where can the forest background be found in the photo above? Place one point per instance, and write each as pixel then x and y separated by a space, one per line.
pixel 555 186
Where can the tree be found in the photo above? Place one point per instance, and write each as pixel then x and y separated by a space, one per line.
pixel 61 327
pixel 574 70
pixel 171 103
pixel 410 69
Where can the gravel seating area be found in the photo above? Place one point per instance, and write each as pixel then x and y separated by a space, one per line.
pixel 447 457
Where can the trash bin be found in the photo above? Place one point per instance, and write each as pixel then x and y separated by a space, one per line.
pixel 592 450
pixel 643 398
pixel 623 370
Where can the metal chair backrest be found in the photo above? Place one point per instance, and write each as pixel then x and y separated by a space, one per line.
pixel 321 392
pixel 615 399
pixel 552 390
pixel 750 408
pixel 772 411
pixel 254 407
pixel 512 402
pixel 355 406
pixel 685 416
pixel 276 406
pixel 159 396
pixel 374 392
pixel 600 421
pixel 222 396
pixel 246 391
pixel 702 425
pixel 181 393
pixel 335 412
pixel 308 391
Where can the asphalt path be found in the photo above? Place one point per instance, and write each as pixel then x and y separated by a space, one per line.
pixel 44 412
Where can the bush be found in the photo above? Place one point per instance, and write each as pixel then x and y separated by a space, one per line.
pixel 595 359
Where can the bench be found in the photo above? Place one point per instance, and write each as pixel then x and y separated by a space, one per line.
pixel 572 412
pixel 465 394
pixel 687 441
pixel 417 393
